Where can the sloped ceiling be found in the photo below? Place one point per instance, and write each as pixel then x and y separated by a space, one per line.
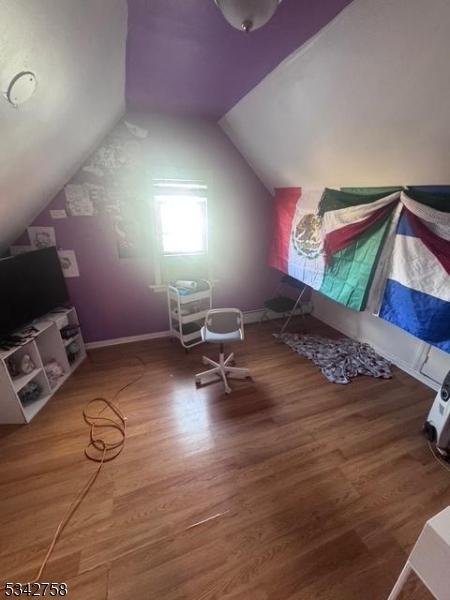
pixel 77 51
pixel 365 103
pixel 183 57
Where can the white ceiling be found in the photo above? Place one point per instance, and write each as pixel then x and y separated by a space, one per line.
pixel 367 102
pixel 77 51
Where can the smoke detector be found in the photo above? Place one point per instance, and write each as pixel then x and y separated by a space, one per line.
pixel 21 88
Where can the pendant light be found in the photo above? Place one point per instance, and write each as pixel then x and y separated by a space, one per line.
pixel 247 15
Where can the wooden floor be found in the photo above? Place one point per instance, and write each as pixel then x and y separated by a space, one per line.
pixel 290 488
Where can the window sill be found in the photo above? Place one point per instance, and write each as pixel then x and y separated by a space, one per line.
pixel 162 287
pixel 158 288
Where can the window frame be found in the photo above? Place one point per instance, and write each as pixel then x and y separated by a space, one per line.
pixel 199 190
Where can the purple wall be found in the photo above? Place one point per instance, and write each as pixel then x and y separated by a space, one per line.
pixel 183 57
pixel 112 295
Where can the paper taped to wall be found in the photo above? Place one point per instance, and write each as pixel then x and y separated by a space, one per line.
pixel 78 201
pixel 94 170
pixel 135 130
pixel 69 263
pixel 42 237
pixel 58 214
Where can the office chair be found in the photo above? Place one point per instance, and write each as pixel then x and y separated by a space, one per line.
pixel 223 325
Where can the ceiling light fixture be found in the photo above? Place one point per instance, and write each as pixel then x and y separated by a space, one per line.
pixel 247 15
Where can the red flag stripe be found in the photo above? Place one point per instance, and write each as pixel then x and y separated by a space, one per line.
pixel 439 247
pixel 285 204
pixel 341 238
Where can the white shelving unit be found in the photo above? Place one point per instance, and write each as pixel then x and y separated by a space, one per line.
pixel 187 314
pixel 44 345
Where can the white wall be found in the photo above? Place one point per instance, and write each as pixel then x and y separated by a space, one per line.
pixel 417 358
pixel 365 103
pixel 77 51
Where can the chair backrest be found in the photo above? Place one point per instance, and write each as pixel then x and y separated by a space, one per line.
pixel 224 320
pixel 292 282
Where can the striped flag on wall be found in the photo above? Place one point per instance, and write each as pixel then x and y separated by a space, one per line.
pixel 417 292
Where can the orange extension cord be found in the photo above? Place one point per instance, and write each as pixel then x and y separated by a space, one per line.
pixel 98 450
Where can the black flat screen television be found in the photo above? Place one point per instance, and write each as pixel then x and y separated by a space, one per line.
pixel 31 285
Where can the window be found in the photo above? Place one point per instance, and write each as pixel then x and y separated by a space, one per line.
pixel 181 229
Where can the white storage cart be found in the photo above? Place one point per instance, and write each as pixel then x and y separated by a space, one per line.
pixel 187 313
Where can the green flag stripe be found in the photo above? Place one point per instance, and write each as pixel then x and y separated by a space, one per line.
pixel 337 199
pixel 348 278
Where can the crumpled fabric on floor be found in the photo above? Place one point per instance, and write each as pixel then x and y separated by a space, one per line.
pixel 339 360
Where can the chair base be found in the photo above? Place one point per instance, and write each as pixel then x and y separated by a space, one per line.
pixel 223 369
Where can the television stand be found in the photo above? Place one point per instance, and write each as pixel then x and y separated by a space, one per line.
pixel 43 344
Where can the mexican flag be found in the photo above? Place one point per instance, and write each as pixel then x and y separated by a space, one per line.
pixel 332 240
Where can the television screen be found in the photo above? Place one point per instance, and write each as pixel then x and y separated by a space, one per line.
pixel 31 284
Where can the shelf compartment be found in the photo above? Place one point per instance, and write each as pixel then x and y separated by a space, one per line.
pixel 68 341
pixel 46 344
pixel 190 318
pixel 189 337
pixel 194 297
pixel 30 410
pixel 22 380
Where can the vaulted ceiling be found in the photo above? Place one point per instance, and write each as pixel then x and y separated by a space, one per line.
pixel 77 51
pixel 183 57
pixel 365 104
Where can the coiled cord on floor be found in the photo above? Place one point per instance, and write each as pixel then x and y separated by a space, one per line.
pixel 98 450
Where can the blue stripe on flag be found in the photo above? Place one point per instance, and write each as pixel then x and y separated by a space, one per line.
pixel 403 227
pixel 422 315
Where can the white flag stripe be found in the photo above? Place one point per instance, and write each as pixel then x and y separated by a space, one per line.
pixel 310 270
pixel 437 221
pixel 335 219
pixel 379 281
pixel 416 267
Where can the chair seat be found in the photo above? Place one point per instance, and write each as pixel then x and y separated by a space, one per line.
pixel 280 304
pixel 220 338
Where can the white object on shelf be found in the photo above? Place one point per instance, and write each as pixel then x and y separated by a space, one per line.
pixel 430 558
pixel 68 341
pixel 188 309
pixel 45 344
pixel 22 380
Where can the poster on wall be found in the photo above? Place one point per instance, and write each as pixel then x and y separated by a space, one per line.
pixel 107 159
pixel 78 201
pixel 98 197
pixel 58 213
pixel 42 237
pixel 136 131
pixel 69 263
pixel 129 237
pixel 93 170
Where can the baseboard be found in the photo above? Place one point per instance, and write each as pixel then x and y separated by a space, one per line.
pixel 251 316
pixel 254 316
pixel 391 358
pixel 128 340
